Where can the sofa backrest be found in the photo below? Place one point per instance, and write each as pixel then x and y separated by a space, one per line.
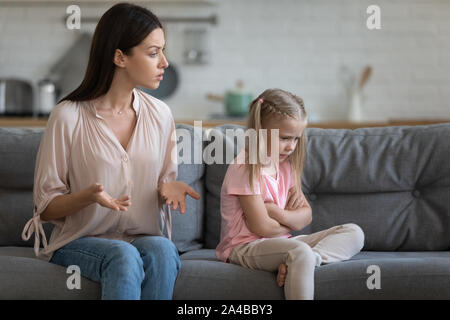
pixel 18 150
pixel 188 228
pixel 394 182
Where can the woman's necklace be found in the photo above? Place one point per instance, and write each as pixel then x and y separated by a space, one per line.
pixel 121 111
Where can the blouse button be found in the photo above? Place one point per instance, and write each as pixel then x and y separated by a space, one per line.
pixel 125 159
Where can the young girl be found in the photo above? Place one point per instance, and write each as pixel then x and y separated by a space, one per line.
pixel 261 204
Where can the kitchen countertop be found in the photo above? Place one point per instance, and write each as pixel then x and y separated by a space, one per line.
pixel 41 122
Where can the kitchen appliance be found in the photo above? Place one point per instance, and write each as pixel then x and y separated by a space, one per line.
pixel 236 101
pixel 357 97
pixel 47 97
pixel 16 97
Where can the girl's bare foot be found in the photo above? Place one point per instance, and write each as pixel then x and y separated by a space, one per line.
pixel 281 276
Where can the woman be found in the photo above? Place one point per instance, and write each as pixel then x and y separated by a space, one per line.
pixel 107 162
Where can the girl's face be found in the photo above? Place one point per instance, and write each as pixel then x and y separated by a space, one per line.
pixel 146 63
pixel 289 132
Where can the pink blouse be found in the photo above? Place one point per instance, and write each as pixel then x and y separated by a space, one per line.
pixel 78 149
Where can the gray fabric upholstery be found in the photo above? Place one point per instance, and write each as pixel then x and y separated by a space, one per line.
pixel 404 275
pixel 214 175
pixel 18 150
pixel 393 182
pixel 188 228
pixel 29 278
pixel 390 181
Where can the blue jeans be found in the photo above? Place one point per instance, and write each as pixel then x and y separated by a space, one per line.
pixel 144 269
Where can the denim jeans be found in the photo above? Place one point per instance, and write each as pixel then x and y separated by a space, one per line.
pixel 144 269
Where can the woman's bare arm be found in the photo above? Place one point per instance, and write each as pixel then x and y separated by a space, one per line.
pixel 66 205
pixel 69 204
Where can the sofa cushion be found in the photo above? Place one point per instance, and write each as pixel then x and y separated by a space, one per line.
pixel 391 181
pixel 188 228
pixel 18 149
pixel 25 252
pixel 16 208
pixel 218 138
pixel 24 278
pixel 213 280
pixel 403 275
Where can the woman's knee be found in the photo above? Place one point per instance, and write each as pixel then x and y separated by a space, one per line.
pixel 124 258
pixel 159 250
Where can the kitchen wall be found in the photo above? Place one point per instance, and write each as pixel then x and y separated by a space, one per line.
pixel 300 46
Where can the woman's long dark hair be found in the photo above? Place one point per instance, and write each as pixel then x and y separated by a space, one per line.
pixel 122 27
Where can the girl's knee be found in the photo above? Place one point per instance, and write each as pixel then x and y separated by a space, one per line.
pixel 302 253
pixel 356 233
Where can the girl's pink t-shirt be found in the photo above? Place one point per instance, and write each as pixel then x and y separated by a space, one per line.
pixel 234 229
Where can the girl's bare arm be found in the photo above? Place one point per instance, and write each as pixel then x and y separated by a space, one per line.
pixel 295 219
pixel 258 219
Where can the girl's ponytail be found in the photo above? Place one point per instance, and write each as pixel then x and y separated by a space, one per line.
pixel 254 122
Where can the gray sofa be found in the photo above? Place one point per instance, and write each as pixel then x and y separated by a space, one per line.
pixel 394 182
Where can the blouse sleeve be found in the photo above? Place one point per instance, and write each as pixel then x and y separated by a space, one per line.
pixel 51 170
pixel 237 181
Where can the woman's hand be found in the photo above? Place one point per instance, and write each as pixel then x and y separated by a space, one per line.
pixel 294 200
pixel 175 192
pixel 105 200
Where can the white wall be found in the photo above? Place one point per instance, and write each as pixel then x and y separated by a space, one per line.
pixel 299 46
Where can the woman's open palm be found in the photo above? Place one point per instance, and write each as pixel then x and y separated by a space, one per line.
pixel 105 200
pixel 175 192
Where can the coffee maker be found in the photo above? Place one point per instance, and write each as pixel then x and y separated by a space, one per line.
pixel 16 98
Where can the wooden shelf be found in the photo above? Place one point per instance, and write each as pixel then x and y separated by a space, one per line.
pixel 42 122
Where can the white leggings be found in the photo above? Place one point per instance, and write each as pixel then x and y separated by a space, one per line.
pixel 333 245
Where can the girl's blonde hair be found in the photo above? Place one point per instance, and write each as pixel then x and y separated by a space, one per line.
pixel 281 104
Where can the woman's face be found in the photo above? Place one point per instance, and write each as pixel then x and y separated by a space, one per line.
pixel 146 62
